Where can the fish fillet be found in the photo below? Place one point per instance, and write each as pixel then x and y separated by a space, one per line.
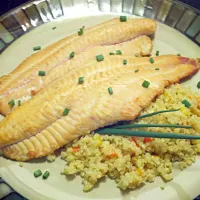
pixel 106 34
pixel 28 63
pixel 39 127
pixel 141 46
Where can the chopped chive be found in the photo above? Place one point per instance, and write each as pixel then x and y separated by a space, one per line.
pixel 110 90
pixel 157 53
pixel 81 80
pixel 157 68
pixel 137 70
pixel 80 32
pixel 118 52
pixel 162 187
pixel 123 18
pixel 37 173
pixel 146 84
pixel 66 111
pixel 36 48
pixel 198 85
pixel 156 113
pixel 151 60
pixel 99 57
pixel 45 175
pixel 186 103
pixel 11 103
pixel 54 28
pixel 72 54
pixel 19 103
pixel 124 62
pixel 137 55
pixel 178 54
pixel 41 73
pixel 111 53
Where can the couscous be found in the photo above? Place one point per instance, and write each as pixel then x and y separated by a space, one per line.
pixel 132 161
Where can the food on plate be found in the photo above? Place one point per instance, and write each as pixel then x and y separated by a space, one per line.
pixel 43 62
pixel 109 92
pixel 142 45
pixel 132 161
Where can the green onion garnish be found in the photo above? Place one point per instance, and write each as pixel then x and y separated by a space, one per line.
pixel 123 18
pixel 46 175
pixel 112 131
pixel 150 125
pixel 19 103
pixel 157 68
pixel 186 103
pixel 156 113
pixel 162 187
pixel 151 60
pixel 178 54
pixel 198 85
pixel 80 32
pixel 157 53
pixel 111 53
pixel 110 90
pixel 41 73
pixel 54 28
pixel 66 111
pixel 124 62
pixel 146 84
pixel 81 80
pixel 36 48
pixel 72 54
pixel 137 70
pixel 37 173
pixel 118 52
pixel 99 57
pixel 11 103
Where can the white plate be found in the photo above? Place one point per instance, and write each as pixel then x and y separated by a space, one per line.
pixel 184 186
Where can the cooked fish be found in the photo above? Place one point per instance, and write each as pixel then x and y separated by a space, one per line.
pixel 109 33
pixel 39 127
pixel 141 45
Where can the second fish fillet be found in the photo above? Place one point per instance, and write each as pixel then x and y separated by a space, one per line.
pixel 39 127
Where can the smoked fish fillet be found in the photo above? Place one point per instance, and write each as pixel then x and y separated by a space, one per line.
pixel 39 127
pixel 142 45
pixel 108 33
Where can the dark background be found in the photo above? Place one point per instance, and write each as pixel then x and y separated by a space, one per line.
pixel 6 5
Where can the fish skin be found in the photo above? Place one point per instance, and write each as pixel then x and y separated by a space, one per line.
pixel 141 45
pixel 97 109
pixel 117 32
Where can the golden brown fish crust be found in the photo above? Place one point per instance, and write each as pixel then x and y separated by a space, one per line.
pixel 90 104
